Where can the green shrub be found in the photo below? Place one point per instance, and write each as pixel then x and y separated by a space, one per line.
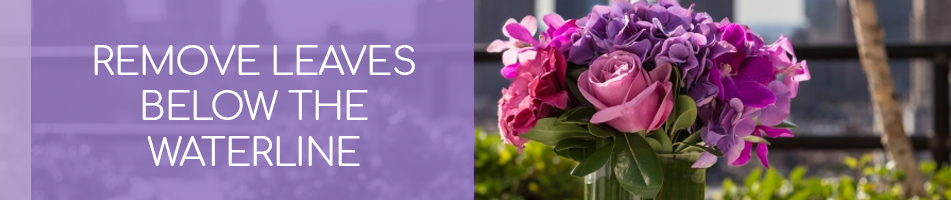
pixel 537 173
pixel 867 181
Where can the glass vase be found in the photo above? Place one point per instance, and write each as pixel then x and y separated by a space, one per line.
pixel 681 182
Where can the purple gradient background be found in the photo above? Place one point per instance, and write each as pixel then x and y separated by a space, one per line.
pixel 89 142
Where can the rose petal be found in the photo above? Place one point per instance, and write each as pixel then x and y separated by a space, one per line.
pixel 644 109
pixel 608 114
pixel 661 73
pixel 584 86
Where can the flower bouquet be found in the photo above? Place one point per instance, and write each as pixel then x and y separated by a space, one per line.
pixel 645 96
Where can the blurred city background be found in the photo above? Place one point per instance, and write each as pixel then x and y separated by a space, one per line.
pixel 835 103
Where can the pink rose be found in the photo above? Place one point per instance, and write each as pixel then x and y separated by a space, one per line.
pixel 627 97
pixel 537 89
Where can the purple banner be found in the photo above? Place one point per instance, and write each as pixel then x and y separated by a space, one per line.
pixel 252 99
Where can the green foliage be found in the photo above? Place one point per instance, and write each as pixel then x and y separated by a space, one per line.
pixel 872 182
pixel 636 165
pixel 550 131
pixel 537 173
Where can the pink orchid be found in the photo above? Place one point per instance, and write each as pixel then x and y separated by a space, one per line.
pixel 793 71
pixel 518 47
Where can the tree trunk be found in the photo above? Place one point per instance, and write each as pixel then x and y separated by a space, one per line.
pixel 870 38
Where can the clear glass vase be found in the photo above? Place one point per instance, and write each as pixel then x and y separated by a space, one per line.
pixel 681 182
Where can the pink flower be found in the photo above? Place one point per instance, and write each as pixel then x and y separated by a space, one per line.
pixel 762 150
pixel 627 97
pixel 536 90
pixel 784 59
pixel 518 112
pixel 517 48
pixel 548 69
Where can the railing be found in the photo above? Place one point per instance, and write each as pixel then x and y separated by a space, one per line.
pixel 938 143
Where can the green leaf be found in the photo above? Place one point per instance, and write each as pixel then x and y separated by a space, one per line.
pixel 576 154
pixel 928 167
pixel 753 178
pixel 663 141
pixel 571 80
pixel 691 139
pixel 574 143
pixel 636 166
pixel 786 124
pixel 550 131
pixel 755 139
pixel 602 131
pixel 580 115
pixel 865 159
pixel 796 174
pixel 851 162
pixel 686 109
pixel 707 149
pixel 770 184
pixel 594 162
pixel 655 145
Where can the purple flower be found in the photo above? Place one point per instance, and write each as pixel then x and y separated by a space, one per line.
pixel 793 71
pixel 681 51
pixel 768 117
pixel 744 73
pixel 754 87
pixel 726 131
pixel 611 28
pixel 522 45
pixel 762 150
pixel 559 33
pixel 669 19
pixel 517 48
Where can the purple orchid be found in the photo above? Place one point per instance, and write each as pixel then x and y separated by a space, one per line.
pixel 744 74
pixel 762 150
pixel 726 131
pixel 559 33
